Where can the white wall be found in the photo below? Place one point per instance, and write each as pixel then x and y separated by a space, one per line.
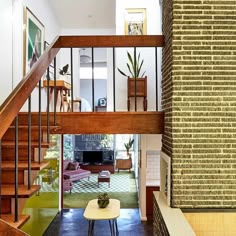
pixel 148 142
pixel 148 54
pixel 152 12
pixel 6 48
pixel 42 9
pixel 64 55
pixel 11 46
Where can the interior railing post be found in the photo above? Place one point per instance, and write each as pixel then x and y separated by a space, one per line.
pixel 48 117
pixel 114 81
pixel 16 168
pixel 40 124
pixel 156 79
pixel 0 177
pixel 29 141
pixel 72 87
pixel 135 81
pixel 54 89
pixel 93 78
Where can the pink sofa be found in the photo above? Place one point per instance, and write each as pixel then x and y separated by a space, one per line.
pixel 72 171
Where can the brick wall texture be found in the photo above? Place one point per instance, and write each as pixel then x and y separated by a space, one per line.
pixel 199 100
pixel 159 226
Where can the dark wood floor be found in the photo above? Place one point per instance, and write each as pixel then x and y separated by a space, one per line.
pixel 71 222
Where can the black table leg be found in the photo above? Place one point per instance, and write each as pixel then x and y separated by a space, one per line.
pixel 91 227
pixel 117 231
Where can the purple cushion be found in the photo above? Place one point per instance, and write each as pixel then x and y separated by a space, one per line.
pixel 72 166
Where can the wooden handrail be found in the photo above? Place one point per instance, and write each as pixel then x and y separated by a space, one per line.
pixel 12 105
pixel 111 41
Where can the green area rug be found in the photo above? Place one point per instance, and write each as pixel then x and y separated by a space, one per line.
pixel 38 221
pixel 80 200
pixel 44 200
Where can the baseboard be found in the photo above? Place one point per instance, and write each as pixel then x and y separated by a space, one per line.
pixel 143 218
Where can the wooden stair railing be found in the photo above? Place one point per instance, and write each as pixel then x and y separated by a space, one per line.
pixel 10 108
pixel 12 105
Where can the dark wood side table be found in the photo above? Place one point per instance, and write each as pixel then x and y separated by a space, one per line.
pixel 104 177
pixel 140 91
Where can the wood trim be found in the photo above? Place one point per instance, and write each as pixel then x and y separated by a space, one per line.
pixel 102 122
pixel 110 123
pixel 111 41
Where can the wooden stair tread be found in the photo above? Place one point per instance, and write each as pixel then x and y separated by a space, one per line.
pixel 8 190
pixel 23 165
pixel 10 219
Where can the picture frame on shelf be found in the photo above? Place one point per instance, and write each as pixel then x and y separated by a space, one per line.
pixel 135 21
pixel 33 39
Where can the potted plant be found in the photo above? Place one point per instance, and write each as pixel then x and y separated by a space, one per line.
pixel 128 146
pixel 103 200
pixel 137 81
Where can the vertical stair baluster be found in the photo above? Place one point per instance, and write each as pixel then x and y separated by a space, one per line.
pixel 93 78
pixel 16 168
pixel 156 79
pixel 135 81
pixel 29 142
pixel 39 125
pixel 0 177
pixel 71 78
pixel 114 81
pixel 54 89
pixel 48 117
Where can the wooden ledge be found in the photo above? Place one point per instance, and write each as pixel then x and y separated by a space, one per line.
pixel 174 218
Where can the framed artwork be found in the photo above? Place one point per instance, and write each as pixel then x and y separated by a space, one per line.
pixel 135 21
pixel 33 39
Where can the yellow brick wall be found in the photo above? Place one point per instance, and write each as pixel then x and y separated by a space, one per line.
pixel 199 100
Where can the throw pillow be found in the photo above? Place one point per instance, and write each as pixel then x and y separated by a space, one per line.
pixel 72 166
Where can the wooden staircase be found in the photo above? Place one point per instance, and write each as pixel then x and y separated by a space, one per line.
pixel 87 123
pixel 8 168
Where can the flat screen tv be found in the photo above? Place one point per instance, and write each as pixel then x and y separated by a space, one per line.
pixel 93 156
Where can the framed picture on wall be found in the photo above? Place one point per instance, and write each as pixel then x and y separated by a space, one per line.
pixel 33 39
pixel 135 21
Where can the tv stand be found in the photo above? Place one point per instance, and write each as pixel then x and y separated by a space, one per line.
pixel 96 168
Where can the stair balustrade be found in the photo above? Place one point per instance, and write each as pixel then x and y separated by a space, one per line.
pixel 18 153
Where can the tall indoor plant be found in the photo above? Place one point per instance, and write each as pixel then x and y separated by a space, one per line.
pixel 137 81
pixel 134 65
pixel 128 146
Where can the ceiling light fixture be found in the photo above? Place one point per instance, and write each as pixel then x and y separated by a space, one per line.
pixel 83 57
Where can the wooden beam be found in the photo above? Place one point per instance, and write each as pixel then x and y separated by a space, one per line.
pixel 110 41
pixel 110 122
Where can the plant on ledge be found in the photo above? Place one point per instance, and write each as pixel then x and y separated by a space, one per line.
pixel 134 66
pixel 128 146
pixel 137 81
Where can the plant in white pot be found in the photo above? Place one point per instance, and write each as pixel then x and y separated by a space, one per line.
pixel 137 81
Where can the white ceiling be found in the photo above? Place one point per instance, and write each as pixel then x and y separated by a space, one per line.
pixel 85 13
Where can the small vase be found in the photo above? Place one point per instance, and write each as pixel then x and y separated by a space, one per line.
pixel 103 203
